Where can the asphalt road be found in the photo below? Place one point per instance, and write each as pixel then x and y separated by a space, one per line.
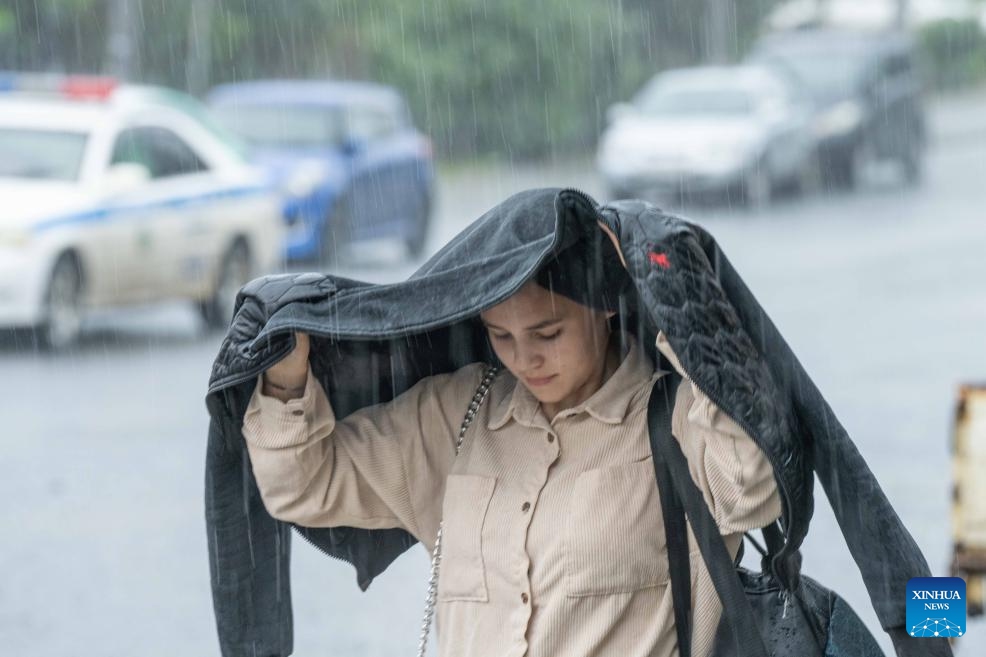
pixel 880 293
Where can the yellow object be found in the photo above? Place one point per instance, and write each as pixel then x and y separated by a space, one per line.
pixel 969 493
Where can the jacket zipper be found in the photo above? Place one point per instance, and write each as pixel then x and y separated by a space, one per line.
pixel 316 545
pixel 585 197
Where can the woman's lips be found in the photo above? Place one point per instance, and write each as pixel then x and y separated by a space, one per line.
pixel 540 382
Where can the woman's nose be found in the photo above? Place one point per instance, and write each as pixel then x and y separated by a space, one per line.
pixel 527 358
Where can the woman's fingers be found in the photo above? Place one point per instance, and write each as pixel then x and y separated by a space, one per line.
pixel 302 342
pixel 302 347
pixel 292 370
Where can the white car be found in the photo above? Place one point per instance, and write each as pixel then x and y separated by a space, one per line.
pixel 708 129
pixel 116 195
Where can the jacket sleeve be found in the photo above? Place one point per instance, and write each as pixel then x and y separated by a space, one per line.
pixel 732 472
pixel 380 467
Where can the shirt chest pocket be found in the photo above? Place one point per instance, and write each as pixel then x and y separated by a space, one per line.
pixel 462 575
pixel 615 540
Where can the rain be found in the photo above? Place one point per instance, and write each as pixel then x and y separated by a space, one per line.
pixel 156 155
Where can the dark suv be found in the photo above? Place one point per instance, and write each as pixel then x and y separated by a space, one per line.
pixel 866 96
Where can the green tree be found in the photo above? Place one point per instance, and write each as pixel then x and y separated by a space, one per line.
pixel 521 78
pixel 51 35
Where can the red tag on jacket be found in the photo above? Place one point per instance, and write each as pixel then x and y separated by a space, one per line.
pixel 660 259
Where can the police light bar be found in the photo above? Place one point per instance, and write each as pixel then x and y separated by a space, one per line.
pixel 78 87
pixel 91 87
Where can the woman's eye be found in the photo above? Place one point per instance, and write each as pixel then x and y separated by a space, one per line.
pixel 550 337
pixel 500 336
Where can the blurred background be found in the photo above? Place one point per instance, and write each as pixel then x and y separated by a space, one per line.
pixel 157 154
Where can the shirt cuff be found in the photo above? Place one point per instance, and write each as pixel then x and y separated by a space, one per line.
pixel 271 423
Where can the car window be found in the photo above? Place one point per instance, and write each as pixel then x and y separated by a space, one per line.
pixel 283 125
pixel 661 101
pixel 163 152
pixel 825 74
pixel 208 120
pixel 41 154
pixel 896 65
pixel 369 123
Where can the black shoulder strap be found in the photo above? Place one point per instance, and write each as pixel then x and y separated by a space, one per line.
pixel 669 460
pixel 675 530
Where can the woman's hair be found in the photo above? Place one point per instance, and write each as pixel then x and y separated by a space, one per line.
pixel 588 272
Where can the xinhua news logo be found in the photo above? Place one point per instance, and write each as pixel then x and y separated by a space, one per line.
pixel 936 607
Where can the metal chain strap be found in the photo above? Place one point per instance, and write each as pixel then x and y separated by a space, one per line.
pixel 436 556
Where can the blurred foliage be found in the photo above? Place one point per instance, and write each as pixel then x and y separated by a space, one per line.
pixel 7 23
pixel 674 31
pixel 60 35
pixel 485 77
pixel 954 52
pixel 515 78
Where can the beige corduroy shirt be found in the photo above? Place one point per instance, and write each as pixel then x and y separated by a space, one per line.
pixel 554 542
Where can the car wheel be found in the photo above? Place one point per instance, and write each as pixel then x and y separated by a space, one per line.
pixel 911 163
pixel 335 236
pixel 807 179
pixel 757 186
pixel 234 273
pixel 419 230
pixel 62 322
pixel 855 164
pixel 841 169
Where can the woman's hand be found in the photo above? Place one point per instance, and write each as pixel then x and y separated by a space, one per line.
pixel 286 379
pixel 616 243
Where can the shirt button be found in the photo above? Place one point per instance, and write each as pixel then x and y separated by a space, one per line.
pixel 297 412
pixel 524 598
pixel 551 438
pixel 525 506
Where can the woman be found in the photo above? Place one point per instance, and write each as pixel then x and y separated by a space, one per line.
pixel 553 540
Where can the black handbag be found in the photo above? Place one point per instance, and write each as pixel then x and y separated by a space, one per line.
pixel 760 618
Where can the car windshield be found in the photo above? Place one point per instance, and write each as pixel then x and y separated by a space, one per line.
pixel 41 154
pixel 282 126
pixel 662 101
pixel 208 120
pixel 824 74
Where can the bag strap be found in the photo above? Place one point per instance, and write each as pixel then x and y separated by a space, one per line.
pixel 675 529
pixel 736 608
pixel 436 555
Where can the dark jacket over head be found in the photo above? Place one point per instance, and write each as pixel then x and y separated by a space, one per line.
pixel 372 342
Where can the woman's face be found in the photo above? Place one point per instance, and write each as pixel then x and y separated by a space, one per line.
pixel 553 345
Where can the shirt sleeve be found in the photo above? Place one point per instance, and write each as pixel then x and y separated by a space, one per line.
pixel 383 466
pixel 732 472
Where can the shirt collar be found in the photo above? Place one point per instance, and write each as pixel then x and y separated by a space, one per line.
pixel 609 404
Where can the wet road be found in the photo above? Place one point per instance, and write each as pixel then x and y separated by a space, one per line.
pixel 881 293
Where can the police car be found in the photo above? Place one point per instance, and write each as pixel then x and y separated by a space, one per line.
pixel 119 194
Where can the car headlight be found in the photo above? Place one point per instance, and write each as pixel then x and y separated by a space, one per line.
pixel 15 237
pixel 839 120
pixel 305 178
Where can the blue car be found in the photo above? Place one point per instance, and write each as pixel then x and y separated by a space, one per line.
pixel 353 165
